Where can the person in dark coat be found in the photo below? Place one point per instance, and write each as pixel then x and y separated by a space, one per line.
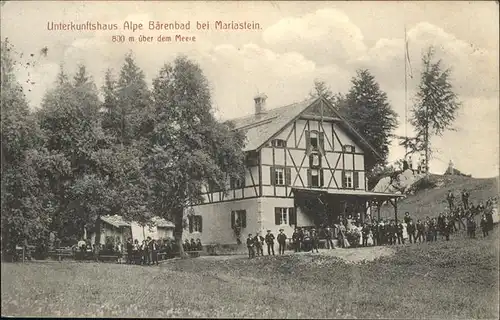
pixel 407 217
pixel 450 197
pixel 295 240
pixel 281 242
pixel 410 228
pixel 192 245
pixel 392 232
pixel 270 242
pixel 399 233
pixel 447 227
pixel 465 199
pixel 434 229
pixel 420 232
pixel 258 244
pixel 186 246
pixel 484 225
pixel 375 231
pixel 314 240
pixel 301 238
pixel 440 224
pixel 329 238
pixel 471 227
pixel 365 232
pixel 154 248
pixel 130 251
pixel 250 246
pixel 199 246
pixel 489 218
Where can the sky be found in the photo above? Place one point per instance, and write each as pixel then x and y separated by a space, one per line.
pixel 297 42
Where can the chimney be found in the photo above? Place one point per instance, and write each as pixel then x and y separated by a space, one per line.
pixel 260 104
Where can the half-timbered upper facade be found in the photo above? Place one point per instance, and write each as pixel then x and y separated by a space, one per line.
pixel 302 146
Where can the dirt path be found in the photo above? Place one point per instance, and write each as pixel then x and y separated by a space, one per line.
pixel 353 255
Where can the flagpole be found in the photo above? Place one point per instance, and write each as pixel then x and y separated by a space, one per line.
pixel 406 94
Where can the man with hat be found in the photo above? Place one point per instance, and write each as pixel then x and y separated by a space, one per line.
pixel 250 244
pixel 281 242
pixel 270 242
pixel 314 240
pixel 258 243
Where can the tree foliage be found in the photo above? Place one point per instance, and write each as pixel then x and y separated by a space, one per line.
pixel 435 105
pixel 368 110
pixel 188 147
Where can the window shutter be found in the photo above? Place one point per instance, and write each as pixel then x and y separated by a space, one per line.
pixel 321 142
pixel 233 219
pixel 321 181
pixel 308 142
pixel 292 218
pixel 343 179
pixel 288 176
pixel 243 181
pixel 311 160
pixel 277 216
pixel 190 220
pixel 243 217
pixel 273 179
pixel 309 177
pixel 200 220
pixel 356 180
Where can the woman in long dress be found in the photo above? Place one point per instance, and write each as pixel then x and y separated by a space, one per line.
pixel 342 236
pixel 405 232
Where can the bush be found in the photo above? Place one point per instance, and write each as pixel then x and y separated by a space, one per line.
pixel 423 184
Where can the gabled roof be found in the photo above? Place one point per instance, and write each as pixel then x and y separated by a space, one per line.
pixel 118 222
pixel 260 129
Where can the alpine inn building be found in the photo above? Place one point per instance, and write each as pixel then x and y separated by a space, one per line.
pixel 304 167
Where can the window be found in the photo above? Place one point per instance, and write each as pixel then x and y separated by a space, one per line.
pixel 237 183
pixel 350 179
pixel 278 143
pixel 313 140
pixel 315 160
pixel 284 216
pixel 239 218
pixel 315 177
pixel 348 148
pixel 195 224
pixel 279 175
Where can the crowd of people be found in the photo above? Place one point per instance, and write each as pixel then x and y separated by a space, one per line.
pixel 356 232
pixel 147 252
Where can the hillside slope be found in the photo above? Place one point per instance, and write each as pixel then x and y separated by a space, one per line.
pixel 430 202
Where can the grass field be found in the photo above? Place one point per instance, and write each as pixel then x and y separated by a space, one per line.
pixel 455 279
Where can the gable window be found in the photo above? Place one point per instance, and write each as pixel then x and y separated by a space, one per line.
pixel 313 138
pixel 284 216
pixel 348 148
pixel 237 183
pixel 315 141
pixel 239 219
pixel 278 143
pixel 195 223
pixel 281 176
pixel 315 160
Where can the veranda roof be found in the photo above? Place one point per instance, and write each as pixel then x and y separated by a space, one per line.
pixel 350 192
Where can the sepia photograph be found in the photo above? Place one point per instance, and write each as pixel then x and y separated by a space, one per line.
pixel 250 159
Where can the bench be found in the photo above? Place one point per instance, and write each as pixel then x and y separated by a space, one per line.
pixel 194 254
pixel 110 257
pixel 60 254
pixel 212 249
